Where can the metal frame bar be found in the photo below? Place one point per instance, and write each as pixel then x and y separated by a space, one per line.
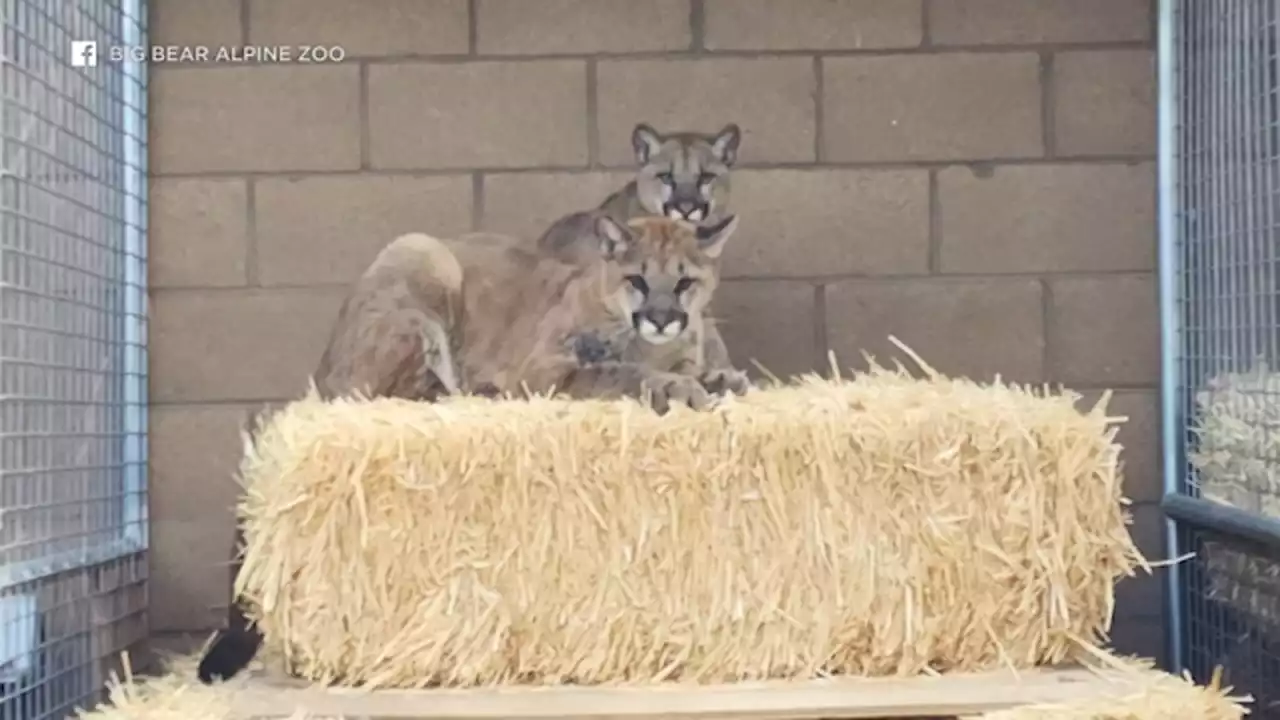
pixel 132 17
pixel 1224 521
pixel 1170 336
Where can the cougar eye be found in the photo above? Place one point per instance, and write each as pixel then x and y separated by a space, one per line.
pixel 638 283
pixel 666 178
pixel 706 178
pixel 683 284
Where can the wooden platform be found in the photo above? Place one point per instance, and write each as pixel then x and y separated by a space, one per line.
pixel 843 698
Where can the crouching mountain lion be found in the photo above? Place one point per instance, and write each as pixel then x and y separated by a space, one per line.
pixel 489 312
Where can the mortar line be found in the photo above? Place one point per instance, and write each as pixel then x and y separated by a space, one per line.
pixel 1048 127
pixel 477 200
pixel 934 251
pixel 251 233
pixel 819 123
pixel 458 58
pixel 473 27
pixel 868 166
pixel 821 342
pixel 1046 325
pixel 365 132
pixel 926 23
pixel 244 21
pixel 593 105
pixel 697 26
pixel 864 279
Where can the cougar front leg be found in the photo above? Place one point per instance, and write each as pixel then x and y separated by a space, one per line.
pixel 721 376
pixel 617 379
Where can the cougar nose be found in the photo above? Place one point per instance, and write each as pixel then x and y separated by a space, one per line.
pixel 662 319
pixel 691 209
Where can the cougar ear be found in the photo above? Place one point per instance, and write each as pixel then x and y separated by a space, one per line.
pixel 614 238
pixel 725 144
pixel 711 238
pixel 646 142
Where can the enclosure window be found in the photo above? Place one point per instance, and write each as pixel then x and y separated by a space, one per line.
pixel 1222 260
pixel 73 515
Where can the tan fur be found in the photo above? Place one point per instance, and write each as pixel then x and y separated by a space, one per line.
pixel 672 167
pixel 390 337
pixel 410 329
pixel 670 255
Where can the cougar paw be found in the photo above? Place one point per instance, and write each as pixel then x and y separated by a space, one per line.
pixel 590 348
pixel 668 390
pixel 725 380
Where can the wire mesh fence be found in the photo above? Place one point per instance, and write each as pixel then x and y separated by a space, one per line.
pixel 1221 261
pixel 73 531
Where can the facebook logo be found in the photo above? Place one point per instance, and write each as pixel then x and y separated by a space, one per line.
pixel 84 53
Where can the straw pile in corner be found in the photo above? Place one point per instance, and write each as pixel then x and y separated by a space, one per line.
pixel 883 525
pixel 1238 427
pixel 175 695
pixel 1165 697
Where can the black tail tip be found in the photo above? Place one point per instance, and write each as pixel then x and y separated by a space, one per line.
pixel 229 654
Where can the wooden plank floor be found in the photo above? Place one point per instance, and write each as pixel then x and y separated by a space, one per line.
pixel 951 695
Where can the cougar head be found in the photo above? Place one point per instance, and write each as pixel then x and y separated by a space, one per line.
pixel 664 272
pixel 684 175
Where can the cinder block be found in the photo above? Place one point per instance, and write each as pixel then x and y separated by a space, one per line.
pixel 812 24
pixel 1047 218
pixel 246 345
pixel 255 119
pixel 1105 331
pixel 363 28
pixel 1139 438
pixel 316 230
pixel 770 321
pixel 198 234
pixel 1140 635
pixel 931 107
pixel 195 453
pixel 1138 626
pixel 807 223
pixel 772 99
pixel 190 572
pixel 1104 102
pixel 971 328
pixel 519 27
pixel 525 204
pixel 195 22
pixel 478 115
pixel 1015 22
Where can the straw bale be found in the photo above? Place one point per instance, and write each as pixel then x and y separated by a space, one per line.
pixel 873 526
pixel 1237 462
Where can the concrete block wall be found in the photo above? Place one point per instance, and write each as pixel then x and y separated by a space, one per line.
pixel 973 176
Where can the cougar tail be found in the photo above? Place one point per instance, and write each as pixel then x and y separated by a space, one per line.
pixel 231 651
pixel 236 646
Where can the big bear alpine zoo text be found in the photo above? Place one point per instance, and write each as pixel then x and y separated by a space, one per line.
pixel 252 54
